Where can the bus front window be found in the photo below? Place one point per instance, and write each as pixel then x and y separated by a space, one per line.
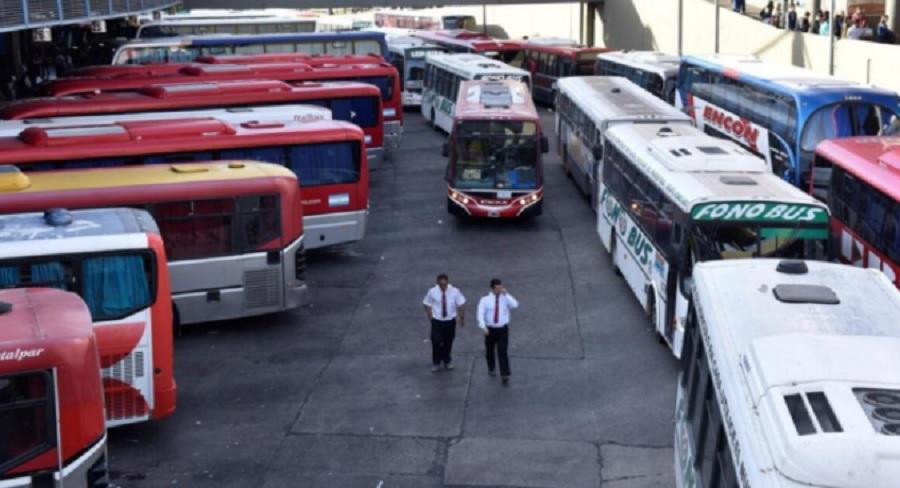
pixel 496 155
pixel 717 240
pixel 845 119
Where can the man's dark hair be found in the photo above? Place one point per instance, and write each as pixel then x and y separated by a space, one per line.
pixel 442 276
pixel 495 282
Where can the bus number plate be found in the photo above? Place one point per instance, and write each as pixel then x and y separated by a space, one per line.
pixel 504 194
pixel 493 213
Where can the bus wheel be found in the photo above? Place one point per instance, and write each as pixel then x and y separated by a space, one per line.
pixel 565 162
pixel 651 314
pixel 433 120
pixel 612 254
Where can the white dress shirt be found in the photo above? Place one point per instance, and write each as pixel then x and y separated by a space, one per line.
pixel 454 299
pixel 486 310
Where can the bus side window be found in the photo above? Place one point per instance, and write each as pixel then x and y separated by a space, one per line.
pixel 891 237
pixel 178 157
pixel 114 287
pixel 274 154
pixel 873 217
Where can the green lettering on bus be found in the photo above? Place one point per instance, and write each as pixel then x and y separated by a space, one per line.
pixel 760 212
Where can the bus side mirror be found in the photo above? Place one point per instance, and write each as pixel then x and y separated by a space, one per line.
pixel 445 149
pixel 545 144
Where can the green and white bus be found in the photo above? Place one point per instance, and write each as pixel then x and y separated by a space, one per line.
pixel 443 74
pixel 671 196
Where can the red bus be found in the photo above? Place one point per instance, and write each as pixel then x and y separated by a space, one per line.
pixel 382 75
pixel 466 41
pixel 864 197
pixel 52 399
pixel 116 261
pixel 232 230
pixel 549 59
pixel 495 150
pixel 327 157
pixel 354 102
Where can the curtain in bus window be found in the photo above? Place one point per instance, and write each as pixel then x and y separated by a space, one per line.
pixel 358 110
pixel 827 123
pixel 182 55
pixel 339 48
pixel 868 119
pixel 51 275
pixel 9 276
pixel 114 286
pixel 385 84
pixel 196 229
pixel 325 164
pixel 275 154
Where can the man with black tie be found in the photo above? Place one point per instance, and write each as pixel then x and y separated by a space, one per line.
pixel 444 308
pixel 493 318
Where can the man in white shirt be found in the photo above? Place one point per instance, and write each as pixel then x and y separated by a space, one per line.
pixel 493 319
pixel 444 308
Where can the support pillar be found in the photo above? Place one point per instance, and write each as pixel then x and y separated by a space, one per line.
pixel 591 27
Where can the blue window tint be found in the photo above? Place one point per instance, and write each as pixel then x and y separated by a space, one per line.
pixel 95 163
pixel 178 157
pixel 9 276
pixel 114 286
pixel 384 83
pixel 274 154
pixel 357 110
pixel 325 164
pixel 51 275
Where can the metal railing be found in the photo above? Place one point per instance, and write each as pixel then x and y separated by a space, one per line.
pixel 30 14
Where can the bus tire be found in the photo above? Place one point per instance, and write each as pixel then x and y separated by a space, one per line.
pixel 433 121
pixel 612 254
pixel 651 314
pixel 564 158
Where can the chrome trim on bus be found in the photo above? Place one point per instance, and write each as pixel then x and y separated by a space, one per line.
pixel 374 156
pixel 75 475
pixel 334 228
pixel 231 287
pixel 393 131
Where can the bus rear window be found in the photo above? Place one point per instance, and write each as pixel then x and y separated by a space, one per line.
pixel 362 111
pixel 26 417
pixel 116 286
pixel 196 229
pixel 384 83
pixel 325 164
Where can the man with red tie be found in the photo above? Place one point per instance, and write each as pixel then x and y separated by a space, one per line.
pixel 444 308
pixel 493 318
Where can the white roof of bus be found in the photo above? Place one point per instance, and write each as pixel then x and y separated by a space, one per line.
pixel 784 74
pixel 401 42
pixel 614 98
pixel 236 115
pixel 228 21
pixel 473 64
pixel 692 167
pixel 662 63
pixel 783 349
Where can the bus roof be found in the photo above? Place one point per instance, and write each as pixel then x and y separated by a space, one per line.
pixel 245 39
pixel 92 223
pixel 144 137
pixel 177 96
pixel 608 99
pixel 473 64
pixel 692 167
pixel 564 47
pixel 43 319
pixel 654 61
pixel 401 43
pixel 504 99
pixel 469 39
pixel 875 160
pixel 831 329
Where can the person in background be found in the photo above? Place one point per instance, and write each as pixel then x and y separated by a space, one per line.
pixel 444 309
pixel 856 31
pixel 738 6
pixel 766 13
pixel 825 25
pixel 816 23
pixel 804 22
pixel 493 319
pixel 857 16
pixel 838 24
pixel 884 33
pixel 792 17
pixel 777 17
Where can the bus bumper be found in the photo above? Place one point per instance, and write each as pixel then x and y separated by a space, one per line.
pixel 393 131
pixel 374 156
pixel 334 228
pixel 87 471
pixel 232 287
pixel 463 205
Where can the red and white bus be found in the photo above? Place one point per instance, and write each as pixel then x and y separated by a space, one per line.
pixel 354 102
pixel 115 260
pixel 466 41
pixel 327 157
pixel 232 230
pixel 427 19
pixel 52 399
pixel 382 75
pixel 495 150
pixel 864 198
pixel 549 59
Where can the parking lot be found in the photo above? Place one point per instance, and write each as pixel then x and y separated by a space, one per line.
pixel 340 393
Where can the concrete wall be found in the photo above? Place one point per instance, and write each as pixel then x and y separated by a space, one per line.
pixel 653 24
pixel 532 20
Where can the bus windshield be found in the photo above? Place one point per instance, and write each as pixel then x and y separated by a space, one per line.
pixel 496 155
pixel 843 120
pixel 733 240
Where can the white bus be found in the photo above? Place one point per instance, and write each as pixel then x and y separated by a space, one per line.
pixel 586 106
pixel 671 196
pixel 407 54
pixel 197 26
pixel 236 115
pixel 653 71
pixel 443 74
pixel 789 377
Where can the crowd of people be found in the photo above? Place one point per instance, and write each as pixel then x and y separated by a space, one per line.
pixel 855 26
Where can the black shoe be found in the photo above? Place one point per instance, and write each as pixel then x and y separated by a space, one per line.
pixel 505 380
pixel 491 373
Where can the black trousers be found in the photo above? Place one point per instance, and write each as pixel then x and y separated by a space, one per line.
pixel 442 334
pixel 495 344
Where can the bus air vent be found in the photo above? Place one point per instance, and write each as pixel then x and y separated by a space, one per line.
pixel 799 406
pixel 792 266
pixel 738 180
pixel 57 217
pixel 712 150
pixel 39 136
pixel 816 294
pixel 882 408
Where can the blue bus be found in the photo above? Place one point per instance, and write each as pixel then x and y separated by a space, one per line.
pixel 184 49
pixel 778 112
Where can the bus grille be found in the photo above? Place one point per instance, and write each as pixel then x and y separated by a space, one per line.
pixel 300 264
pixel 262 287
pixel 123 401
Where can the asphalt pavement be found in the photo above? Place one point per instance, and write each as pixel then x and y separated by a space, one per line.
pixel 340 393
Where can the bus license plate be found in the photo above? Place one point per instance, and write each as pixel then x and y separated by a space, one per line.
pixel 493 213
pixel 504 194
